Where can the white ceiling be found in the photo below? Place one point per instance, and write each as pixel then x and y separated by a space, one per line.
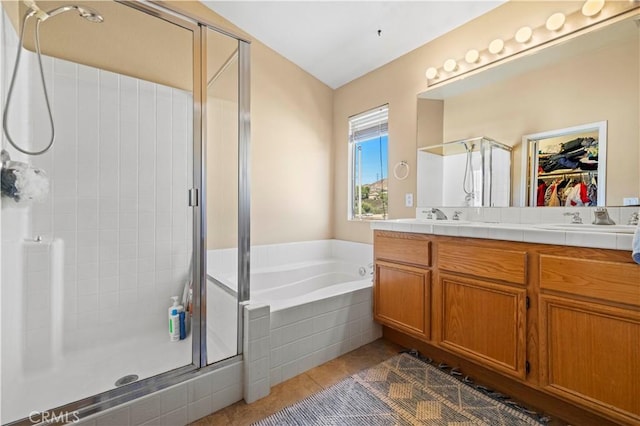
pixel 337 41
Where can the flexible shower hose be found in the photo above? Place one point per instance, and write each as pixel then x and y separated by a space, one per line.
pixel 5 115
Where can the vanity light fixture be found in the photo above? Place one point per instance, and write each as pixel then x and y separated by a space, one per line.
pixel 496 46
pixel 472 56
pixel 524 34
pixel 450 65
pixel 431 73
pixel 592 11
pixel 592 7
pixel 555 21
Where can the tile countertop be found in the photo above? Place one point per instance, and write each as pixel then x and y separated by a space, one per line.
pixel 524 232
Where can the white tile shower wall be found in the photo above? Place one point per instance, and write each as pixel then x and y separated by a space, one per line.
pixel 180 404
pixel 120 171
pixel 15 219
pixel 305 336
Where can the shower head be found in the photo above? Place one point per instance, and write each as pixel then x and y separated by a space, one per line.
pixel 90 15
pixel 86 12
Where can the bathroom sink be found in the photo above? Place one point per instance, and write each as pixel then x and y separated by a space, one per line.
pixel 586 227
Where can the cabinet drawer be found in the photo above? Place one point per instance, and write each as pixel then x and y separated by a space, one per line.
pixel 492 263
pixel 401 247
pixel 601 279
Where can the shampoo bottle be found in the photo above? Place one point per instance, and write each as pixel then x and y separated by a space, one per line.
pixel 174 320
pixel 183 326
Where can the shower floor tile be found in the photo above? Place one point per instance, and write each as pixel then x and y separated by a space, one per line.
pixel 78 374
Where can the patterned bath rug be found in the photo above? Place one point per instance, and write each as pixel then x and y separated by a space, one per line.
pixel 400 391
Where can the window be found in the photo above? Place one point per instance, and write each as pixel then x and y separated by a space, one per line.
pixel 368 154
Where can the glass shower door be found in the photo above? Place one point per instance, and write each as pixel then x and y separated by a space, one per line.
pixel 88 272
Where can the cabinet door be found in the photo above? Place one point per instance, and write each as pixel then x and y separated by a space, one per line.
pixel 402 298
pixel 485 321
pixel 591 355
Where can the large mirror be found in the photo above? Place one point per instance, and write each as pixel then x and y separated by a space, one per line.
pixel 590 78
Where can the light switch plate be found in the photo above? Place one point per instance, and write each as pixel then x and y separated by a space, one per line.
pixel 630 201
pixel 408 199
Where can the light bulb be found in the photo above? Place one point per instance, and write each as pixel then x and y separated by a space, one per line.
pixel 592 7
pixel 450 65
pixel 472 56
pixel 431 73
pixel 496 46
pixel 555 21
pixel 523 35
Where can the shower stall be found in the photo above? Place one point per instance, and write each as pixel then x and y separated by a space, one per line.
pixel 125 157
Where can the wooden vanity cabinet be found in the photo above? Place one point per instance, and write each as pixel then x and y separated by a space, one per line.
pixel 402 285
pixel 574 312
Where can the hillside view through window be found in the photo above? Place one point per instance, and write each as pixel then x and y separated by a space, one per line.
pixel 368 137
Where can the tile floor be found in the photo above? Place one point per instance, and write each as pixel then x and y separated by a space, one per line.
pixel 305 384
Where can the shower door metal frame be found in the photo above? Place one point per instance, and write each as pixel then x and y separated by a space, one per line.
pixel 244 184
pixel 127 393
pixel 244 194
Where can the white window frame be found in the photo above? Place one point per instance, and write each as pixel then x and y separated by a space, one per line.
pixel 365 126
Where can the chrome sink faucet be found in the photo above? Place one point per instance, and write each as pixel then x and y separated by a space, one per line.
pixel 439 214
pixel 633 220
pixel 601 217
pixel 456 215
pixel 576 216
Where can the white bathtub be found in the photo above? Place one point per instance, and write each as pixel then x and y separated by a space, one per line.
pixel 295 284
pixel 319 295
pixel 285 275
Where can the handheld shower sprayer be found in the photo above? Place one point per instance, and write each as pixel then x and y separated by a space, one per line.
pixel 468 176
pixel 41 16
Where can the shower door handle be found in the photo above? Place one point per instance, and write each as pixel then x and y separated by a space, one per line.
pixel 193 197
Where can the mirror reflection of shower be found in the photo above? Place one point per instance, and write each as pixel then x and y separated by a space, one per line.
pixel 468 181
pixel 473 172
